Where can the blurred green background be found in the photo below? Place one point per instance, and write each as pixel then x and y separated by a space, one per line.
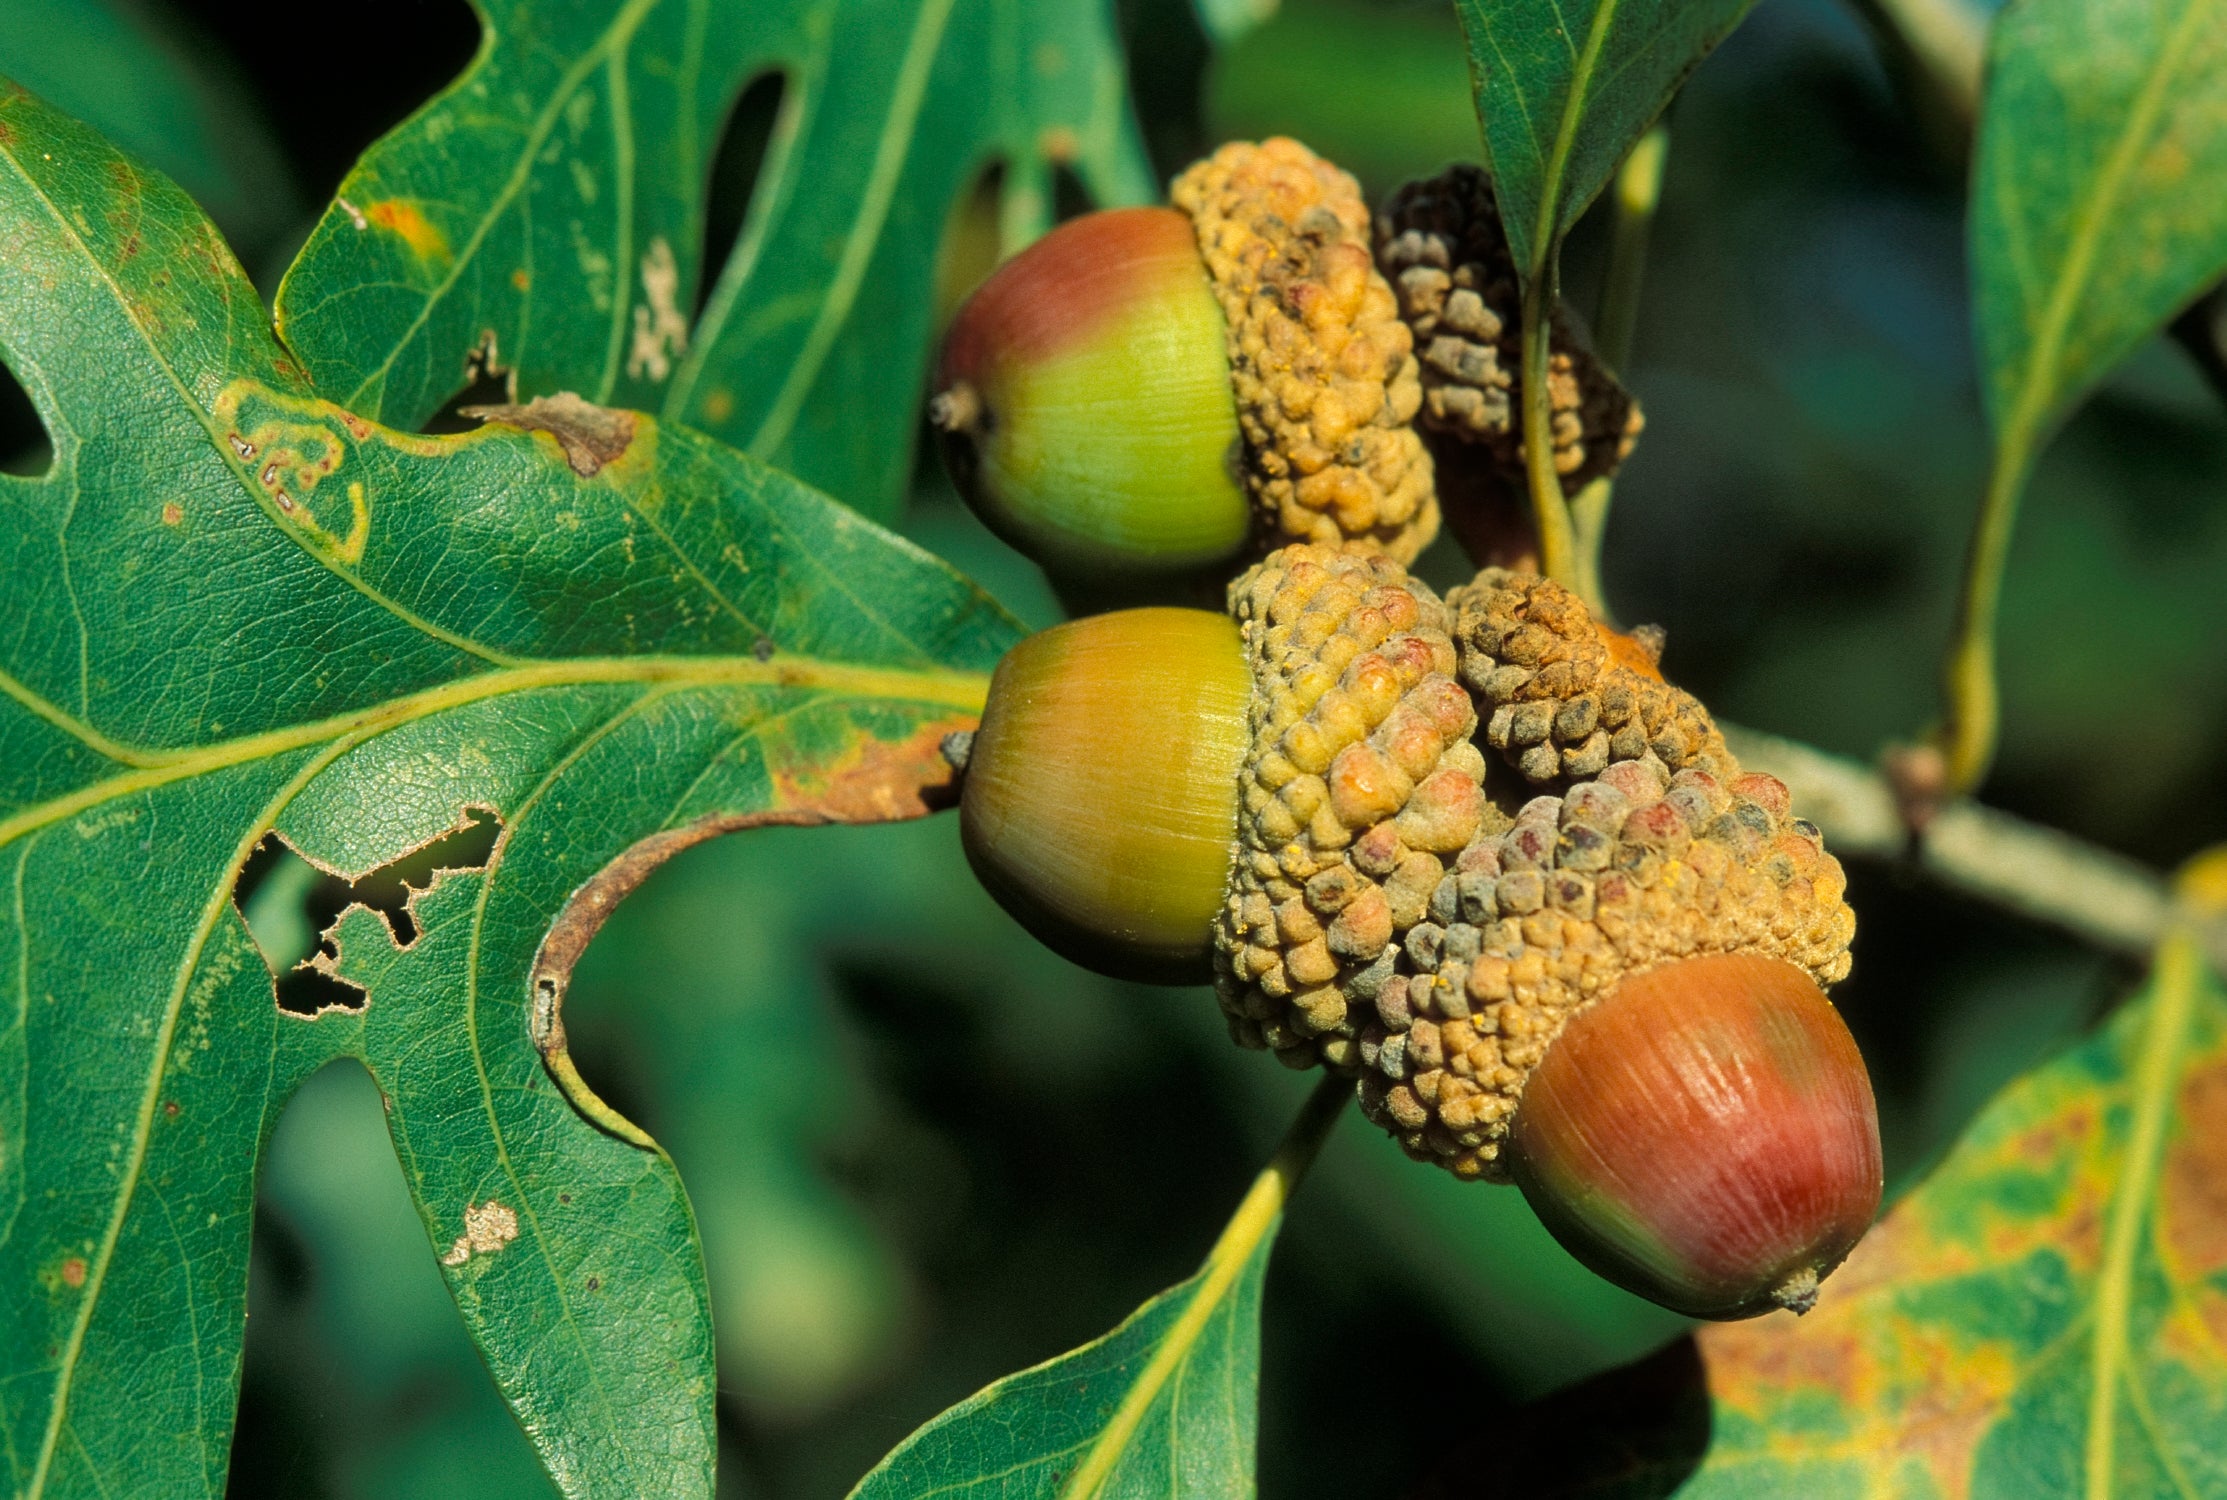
pixel 926 1153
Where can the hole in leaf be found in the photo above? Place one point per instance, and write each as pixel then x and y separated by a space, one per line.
pixel 734 174
pixel 1070 199
pixel 25 448
pixel 968 252
pixel 487 382
pixel 292 907
pixel 392 56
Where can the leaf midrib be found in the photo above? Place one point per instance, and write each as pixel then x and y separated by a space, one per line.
pixel 1565 138
pixel 2155 1088
pixel 947 688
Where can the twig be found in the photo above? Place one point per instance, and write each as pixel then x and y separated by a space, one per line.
pixel 2100 897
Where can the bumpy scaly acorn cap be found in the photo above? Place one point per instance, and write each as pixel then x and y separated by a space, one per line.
pixel 1633 869
pixel 1361 786
pixel 1562 696
pixel 1440 243
pixel 1322 368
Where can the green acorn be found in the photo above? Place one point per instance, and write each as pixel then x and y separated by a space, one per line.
pixel 1085 400
pixel 1611 995
pixel 1150 392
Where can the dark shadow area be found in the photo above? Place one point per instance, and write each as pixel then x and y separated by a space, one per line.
pixel 25 448
pixel 291 907
pixel 1168 57
pixel 1635 1433
pixel 372 65
pixel 735 166
pixel 275 1446
pixel 1070 198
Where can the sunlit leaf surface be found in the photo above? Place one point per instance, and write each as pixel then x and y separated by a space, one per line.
pixel 2097 209
pixel 1564 88
pixel 235 609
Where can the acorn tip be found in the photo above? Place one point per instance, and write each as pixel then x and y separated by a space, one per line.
pixel 958 409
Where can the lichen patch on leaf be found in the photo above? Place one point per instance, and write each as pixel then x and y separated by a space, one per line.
pixel 487 1228
pixel 660 329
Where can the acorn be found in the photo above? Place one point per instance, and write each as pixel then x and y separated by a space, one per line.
pixel 1704 1136
pixel 1270 794
pixel 1293 799
pixel 1100 800
pixel 1150 392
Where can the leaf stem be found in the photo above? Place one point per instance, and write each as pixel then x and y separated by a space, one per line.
pixel 1257 1213
pixel 1639 188
pixel 1971 696
pixel 1550 512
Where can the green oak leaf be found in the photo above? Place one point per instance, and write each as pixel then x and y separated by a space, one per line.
pixel 235 610
pixel 1164 1405
pixel 2096 210
pixel 546 212
pixel 1564 89
pixel 2045 1315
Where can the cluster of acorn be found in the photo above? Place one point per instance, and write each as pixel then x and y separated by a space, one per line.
pixel 1473 852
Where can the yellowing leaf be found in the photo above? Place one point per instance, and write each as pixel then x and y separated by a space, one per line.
pixel 2046 1315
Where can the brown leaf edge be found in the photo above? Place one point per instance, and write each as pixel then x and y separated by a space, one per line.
pixel 888 781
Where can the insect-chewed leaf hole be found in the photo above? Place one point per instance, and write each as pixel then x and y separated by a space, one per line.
pixel 487 382
pixel 1071 199
pixel 735 166
pixel 26 448
pixel 292 907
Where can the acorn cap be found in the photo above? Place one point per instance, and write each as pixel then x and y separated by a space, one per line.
pixel 1323 369
pixel 1441 245
pixel 1099 803
pixel 1705 1136
pixel 1083 396
pixel 1632 870
pixel 1360 786
pixel 1564 697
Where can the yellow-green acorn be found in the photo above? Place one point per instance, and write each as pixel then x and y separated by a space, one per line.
pixel 1084 400
pixel 1148 392
pixel 1610 993
pixel 1100 800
